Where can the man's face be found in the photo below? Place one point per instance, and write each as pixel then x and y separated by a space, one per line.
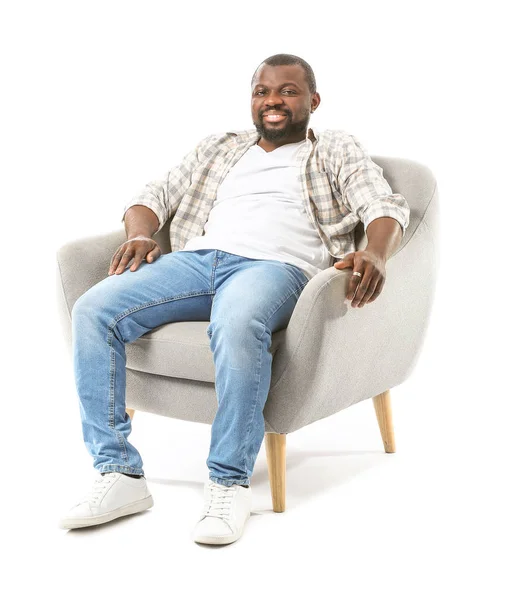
pixel 281 90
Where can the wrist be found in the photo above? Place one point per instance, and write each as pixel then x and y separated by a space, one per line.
pixel 380 253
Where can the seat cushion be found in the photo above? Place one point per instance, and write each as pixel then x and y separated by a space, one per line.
pixel 179 349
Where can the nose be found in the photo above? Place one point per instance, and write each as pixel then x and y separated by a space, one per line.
pixel 273 98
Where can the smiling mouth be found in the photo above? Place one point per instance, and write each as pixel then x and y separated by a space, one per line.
pixel 274 118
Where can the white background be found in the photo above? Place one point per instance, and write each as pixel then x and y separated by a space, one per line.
pixel 97 99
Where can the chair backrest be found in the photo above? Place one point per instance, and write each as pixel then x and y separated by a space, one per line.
pixel 414 181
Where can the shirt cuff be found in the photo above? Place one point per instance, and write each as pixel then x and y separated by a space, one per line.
pixel 386 208
pixel 154 206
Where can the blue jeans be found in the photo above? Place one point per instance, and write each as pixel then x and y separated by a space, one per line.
pixel 244 299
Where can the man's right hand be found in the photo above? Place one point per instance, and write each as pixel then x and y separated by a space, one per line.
pixel 138 248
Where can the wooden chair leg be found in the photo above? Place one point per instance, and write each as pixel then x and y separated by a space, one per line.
pixel 383 411
pixel 130 412
pixel 275 447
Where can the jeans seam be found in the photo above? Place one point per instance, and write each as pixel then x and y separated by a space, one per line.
pixel 274 312
pixel 111 403
pixel 259 365
pixel 213 276
pixel 254 404
pixel 232 481
pixel 134 470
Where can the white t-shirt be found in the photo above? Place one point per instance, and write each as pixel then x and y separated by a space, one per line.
pixel 259 213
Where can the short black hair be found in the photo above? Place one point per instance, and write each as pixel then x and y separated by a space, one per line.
pixel 277 60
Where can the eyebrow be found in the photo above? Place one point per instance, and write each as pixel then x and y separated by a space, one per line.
pixel 282 85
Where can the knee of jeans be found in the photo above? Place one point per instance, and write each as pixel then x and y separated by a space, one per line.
pixel 89 306
pixel 78 308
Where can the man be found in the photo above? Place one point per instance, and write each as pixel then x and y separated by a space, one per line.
pixel 253 216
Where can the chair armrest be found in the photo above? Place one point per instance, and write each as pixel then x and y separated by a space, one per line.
pixel 80 265
pixel 84 262
pixel 333 355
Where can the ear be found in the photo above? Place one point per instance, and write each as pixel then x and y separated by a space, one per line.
pixel 315 101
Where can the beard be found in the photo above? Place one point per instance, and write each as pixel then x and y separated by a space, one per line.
pixel 274 134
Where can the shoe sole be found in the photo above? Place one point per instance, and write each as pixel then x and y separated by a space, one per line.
pixel 217 539
pixel 203 539
pixel 121 511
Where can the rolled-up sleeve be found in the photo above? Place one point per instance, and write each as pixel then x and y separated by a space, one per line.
pixel 164 195
pixel 364 189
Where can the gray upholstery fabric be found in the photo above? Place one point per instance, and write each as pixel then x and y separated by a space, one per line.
pixel 329 357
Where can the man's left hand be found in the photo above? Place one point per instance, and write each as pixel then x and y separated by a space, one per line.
pixel 364 289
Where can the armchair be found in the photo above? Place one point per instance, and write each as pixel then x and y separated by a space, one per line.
pixel 330 356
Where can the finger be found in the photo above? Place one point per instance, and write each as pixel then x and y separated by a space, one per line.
pixel 352 286
pixel 355 279
pixel 346 262
pixel 114 262
pixel 137 261
pixel 369 292
pixel 128 254
pixel 363 285
pixel 378 290
pixel 153 254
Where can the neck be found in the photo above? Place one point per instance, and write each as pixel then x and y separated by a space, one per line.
pixel 268 146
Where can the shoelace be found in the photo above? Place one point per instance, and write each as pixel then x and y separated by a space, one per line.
pixel 220 501
pixel 98 488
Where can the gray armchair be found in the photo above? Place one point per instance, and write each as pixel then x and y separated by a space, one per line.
pixel 330 356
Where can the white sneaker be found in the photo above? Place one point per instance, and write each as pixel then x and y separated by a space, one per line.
pixel 224 514
pixel 112 495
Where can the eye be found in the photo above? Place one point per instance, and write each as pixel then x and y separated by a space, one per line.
pixel 263 92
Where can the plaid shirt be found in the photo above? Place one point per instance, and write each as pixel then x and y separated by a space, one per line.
pixel 341 186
